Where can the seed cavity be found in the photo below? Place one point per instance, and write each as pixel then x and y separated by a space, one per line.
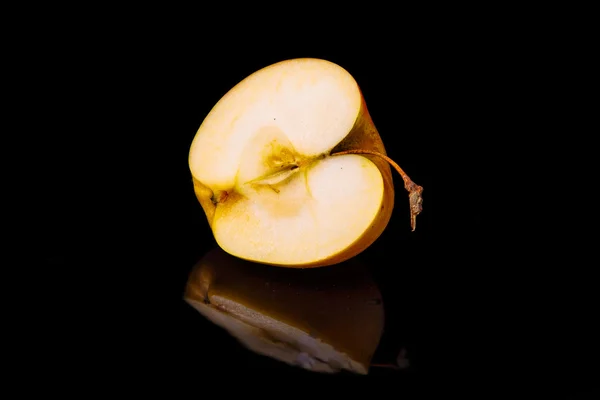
pixel 275 178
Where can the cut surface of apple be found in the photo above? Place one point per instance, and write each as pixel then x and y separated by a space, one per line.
pixel 265 171
pixel 322 320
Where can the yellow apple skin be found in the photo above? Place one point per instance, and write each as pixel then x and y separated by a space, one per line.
pixel 341 306
pixel 363 136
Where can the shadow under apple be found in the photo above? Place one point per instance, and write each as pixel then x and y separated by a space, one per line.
pixel 324 320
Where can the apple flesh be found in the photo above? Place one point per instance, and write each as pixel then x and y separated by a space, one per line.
pixel 267 168
pixel 323 320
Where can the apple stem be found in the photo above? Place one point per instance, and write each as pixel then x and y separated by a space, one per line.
pixel 414 191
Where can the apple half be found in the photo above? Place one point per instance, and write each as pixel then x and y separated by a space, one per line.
pixel 290 169
pixel 323 320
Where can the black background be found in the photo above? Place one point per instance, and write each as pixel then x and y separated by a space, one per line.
pixel 120 226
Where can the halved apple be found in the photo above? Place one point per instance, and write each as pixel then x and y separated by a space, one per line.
pixel 290 169
pixel 323 320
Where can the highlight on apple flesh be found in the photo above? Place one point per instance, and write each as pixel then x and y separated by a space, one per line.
pixel 326 320
pixel 290 170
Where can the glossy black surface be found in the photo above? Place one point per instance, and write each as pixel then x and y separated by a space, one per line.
pixel 120 221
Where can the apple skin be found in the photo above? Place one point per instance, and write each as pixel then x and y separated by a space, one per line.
pixel 363 136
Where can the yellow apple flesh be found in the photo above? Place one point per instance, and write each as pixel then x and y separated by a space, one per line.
pixel 323 320
pixel 264 171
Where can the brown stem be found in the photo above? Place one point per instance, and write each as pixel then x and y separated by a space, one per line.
pixel 414 191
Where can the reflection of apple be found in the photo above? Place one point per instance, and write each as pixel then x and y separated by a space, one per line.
pixel 290 169
pixel 323 320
